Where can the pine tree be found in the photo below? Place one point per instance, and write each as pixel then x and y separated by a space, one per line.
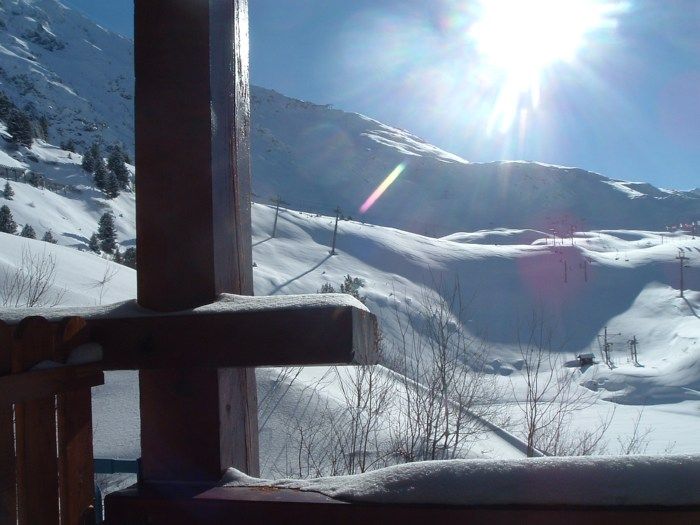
pixel 116 165
pixel 106 233
pixel 100 176
pixel 111 186
pixel 44 127
pixel 7 222
pixel 352 287
pixel 95 150
pixel 91 158
pixel 6 107
pixel 130 257
pixel 88 162
pixel 20 127
pixel 114 157
pixel 94 243
pixel 68 146
pixel 48 237
pixel 8 192
pixel 118 257
pixel 28 232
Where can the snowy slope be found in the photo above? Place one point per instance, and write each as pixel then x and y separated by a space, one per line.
pixel 57 63
pixel 84 279
pixel 632 289
pixel 613 278
pixel 72 208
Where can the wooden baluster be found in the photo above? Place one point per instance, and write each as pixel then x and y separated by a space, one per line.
pixel 35 423
pixel 74 418
pixel 8 489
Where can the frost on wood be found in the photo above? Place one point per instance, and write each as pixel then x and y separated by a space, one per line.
pixel 598 481
pixel 226 303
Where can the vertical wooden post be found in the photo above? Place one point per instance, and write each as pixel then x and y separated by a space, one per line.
pixel 74 418
pixel 193 224
pixel 8 497
pixel 35 423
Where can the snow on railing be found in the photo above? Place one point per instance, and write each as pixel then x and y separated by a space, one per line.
pixel 585 481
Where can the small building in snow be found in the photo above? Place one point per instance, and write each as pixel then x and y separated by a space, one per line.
pixel 585 359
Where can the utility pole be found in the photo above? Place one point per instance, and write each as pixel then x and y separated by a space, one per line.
pixel 277 201
pixel 584 265
pixel 571 231
pixel 682 259
pixel 607 347
pixel 633 349
pixel 566 270
pixel 335 230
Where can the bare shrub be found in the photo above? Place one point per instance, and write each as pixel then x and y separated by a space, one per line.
pixel 345 435
pixel 445 394
pixel 638 441
pixel 111 270
pixel 32 283
pixel 359 432
pixel 551 398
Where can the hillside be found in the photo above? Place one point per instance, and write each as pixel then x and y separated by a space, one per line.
pixel 488 225
pixel 57 63
pixel 631 289
pixel 316 157
pixel 313 156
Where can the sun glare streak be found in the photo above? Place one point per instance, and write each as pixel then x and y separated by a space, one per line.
pixel 383 187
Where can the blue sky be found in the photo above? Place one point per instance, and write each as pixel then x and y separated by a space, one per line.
pixel 627 105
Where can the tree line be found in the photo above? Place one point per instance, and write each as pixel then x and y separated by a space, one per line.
pixel 22 125
pixel 111 177
pixel 103 241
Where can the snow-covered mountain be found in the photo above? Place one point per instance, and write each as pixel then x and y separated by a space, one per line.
pixel 55 62
pixel 615 272
pixel 314 157
pixel 629 285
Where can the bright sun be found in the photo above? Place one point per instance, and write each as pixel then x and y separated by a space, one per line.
pixel 521 38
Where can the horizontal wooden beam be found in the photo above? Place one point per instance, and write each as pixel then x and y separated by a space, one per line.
pixel 172 505
pixel 38 384
pixel 316 336
pixel 234 331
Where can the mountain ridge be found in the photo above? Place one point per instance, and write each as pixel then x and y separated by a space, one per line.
pixel 316 157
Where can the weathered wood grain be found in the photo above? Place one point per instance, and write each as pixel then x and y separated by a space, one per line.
pixel 261 506
pixel 8 498
pixel 74 419
pixel 37 465
pixel 311 336
pixel 39 384
pixel 193 219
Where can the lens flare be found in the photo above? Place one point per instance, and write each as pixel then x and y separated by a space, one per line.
pixel 383 187
pixel 519 40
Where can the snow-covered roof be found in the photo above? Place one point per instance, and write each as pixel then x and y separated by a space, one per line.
pixel 599 481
